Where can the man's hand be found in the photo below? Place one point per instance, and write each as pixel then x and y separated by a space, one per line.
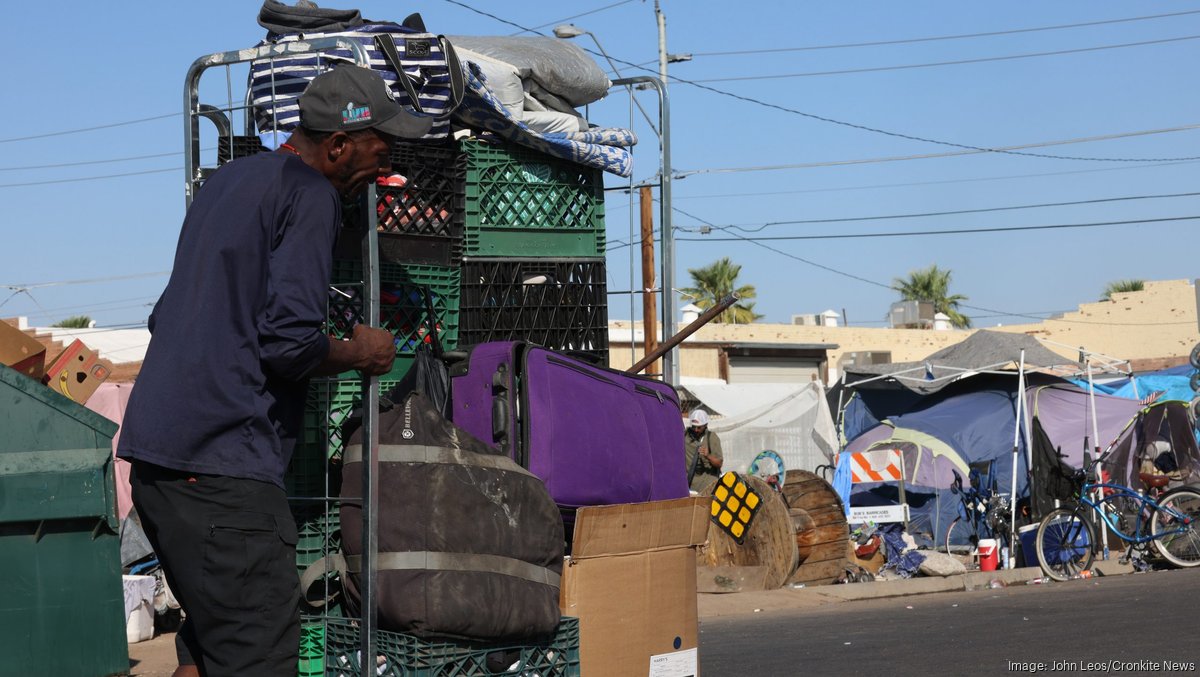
pixel 377 348
pixel 370 350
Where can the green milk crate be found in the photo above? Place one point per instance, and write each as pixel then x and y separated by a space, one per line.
pixel 409 656
pixel 404 289
pixel 523 203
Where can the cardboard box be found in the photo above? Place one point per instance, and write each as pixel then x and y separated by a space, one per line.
pixel 21 352
pixel 631 581
pixel 76 372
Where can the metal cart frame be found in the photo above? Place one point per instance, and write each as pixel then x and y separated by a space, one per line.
pixel 193 112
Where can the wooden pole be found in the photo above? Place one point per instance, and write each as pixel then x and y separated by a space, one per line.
pixel 705 317
pixel 649 300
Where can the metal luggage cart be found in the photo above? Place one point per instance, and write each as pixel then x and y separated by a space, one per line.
pixel 237 113
pixel 663 181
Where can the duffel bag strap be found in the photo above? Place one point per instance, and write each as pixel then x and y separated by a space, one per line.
pixel 333 563
pixel 458 561
pixel 387 46
pixel 458 85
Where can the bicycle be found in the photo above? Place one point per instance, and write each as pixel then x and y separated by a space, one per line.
pixel 1066 537
pixel 983 512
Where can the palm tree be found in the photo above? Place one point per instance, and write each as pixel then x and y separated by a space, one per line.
pixel 1122 286
pixel 716 281
pixel 932 284
pixel 74 322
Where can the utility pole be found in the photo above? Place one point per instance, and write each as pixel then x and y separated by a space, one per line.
pixel 649 302
pixel 670 361
pixel 662 42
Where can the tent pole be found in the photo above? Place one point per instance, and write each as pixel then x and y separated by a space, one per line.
pixel 1012 494
pixel 840 423
pixel 1096 441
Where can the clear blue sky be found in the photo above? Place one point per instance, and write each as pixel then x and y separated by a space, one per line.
pixel 104 64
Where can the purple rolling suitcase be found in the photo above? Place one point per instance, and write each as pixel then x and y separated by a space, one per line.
pixel 595 436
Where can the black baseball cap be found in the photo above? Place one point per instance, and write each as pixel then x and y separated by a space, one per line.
pixel 350 98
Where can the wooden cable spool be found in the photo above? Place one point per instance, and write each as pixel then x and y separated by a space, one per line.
pixel 770 541
pixel 821 532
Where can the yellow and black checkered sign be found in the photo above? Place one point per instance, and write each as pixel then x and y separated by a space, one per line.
pixel 734 505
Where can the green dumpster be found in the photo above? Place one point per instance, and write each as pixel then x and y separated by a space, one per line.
pixel 62 609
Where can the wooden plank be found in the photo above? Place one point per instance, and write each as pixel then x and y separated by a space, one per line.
pixel 824 517
pixel 803 526
pixel 827 551
pixel 813 500
pixel 819 573
pixel 720 579
pixel 832 532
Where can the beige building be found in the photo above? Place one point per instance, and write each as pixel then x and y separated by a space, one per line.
pixel 1153 329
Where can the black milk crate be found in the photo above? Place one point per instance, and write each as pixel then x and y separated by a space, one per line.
pixel 521 202
pixel 403 310
pixel 408 656
pixel 234 147
pixel 420 209
pixel 561 304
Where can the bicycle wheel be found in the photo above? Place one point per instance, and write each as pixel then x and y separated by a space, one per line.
pixel 1180 549
pixel 960 538
pixel 1064 544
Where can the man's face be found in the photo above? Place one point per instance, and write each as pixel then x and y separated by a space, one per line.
pixel 365 156
pixel 698 430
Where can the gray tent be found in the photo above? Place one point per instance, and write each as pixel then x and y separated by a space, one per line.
pixel 982 352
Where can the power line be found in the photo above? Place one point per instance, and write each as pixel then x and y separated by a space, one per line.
pixel 88 178
pixel 575 16
pixel 837 189
pixel 881 43
pixel 957 212
pixel 61 283
pixel 886 217
pixel 958 153
pixel 899 135
pixel 961 305
pixel 956 231
pixel 80 163
pixel 493 16
pixel 958 62
pixel 820 118
pixel 116 304
pixel 924 183
pixel 89 129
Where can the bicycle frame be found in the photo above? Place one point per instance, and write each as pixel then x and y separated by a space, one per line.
pixel 1106 510
pixel 976 505
pixel 973 506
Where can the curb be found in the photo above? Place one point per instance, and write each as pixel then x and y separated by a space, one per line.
pixel 717 605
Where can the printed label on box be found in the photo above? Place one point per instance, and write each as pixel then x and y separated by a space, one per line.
pixel 676 664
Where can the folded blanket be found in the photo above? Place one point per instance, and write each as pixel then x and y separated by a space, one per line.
pixel 602 148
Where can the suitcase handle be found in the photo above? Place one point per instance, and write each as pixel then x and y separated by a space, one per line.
pixel 500 409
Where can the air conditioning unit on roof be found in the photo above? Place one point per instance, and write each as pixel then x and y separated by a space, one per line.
pixel 911 315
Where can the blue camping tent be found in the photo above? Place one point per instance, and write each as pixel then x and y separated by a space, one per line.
pixel 973 425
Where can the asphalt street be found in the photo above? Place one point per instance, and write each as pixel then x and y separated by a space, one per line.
pixel 1131 624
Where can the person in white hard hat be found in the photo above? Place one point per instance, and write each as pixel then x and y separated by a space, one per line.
pixel 703 457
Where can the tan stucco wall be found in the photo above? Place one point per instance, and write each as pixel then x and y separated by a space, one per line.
pixel 1158 323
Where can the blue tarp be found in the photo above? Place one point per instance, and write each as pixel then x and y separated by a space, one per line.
pixel 1173 384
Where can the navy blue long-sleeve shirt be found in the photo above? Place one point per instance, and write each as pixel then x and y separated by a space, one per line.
pixel 238 327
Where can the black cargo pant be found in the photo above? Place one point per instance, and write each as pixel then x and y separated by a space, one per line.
pixel 228 549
